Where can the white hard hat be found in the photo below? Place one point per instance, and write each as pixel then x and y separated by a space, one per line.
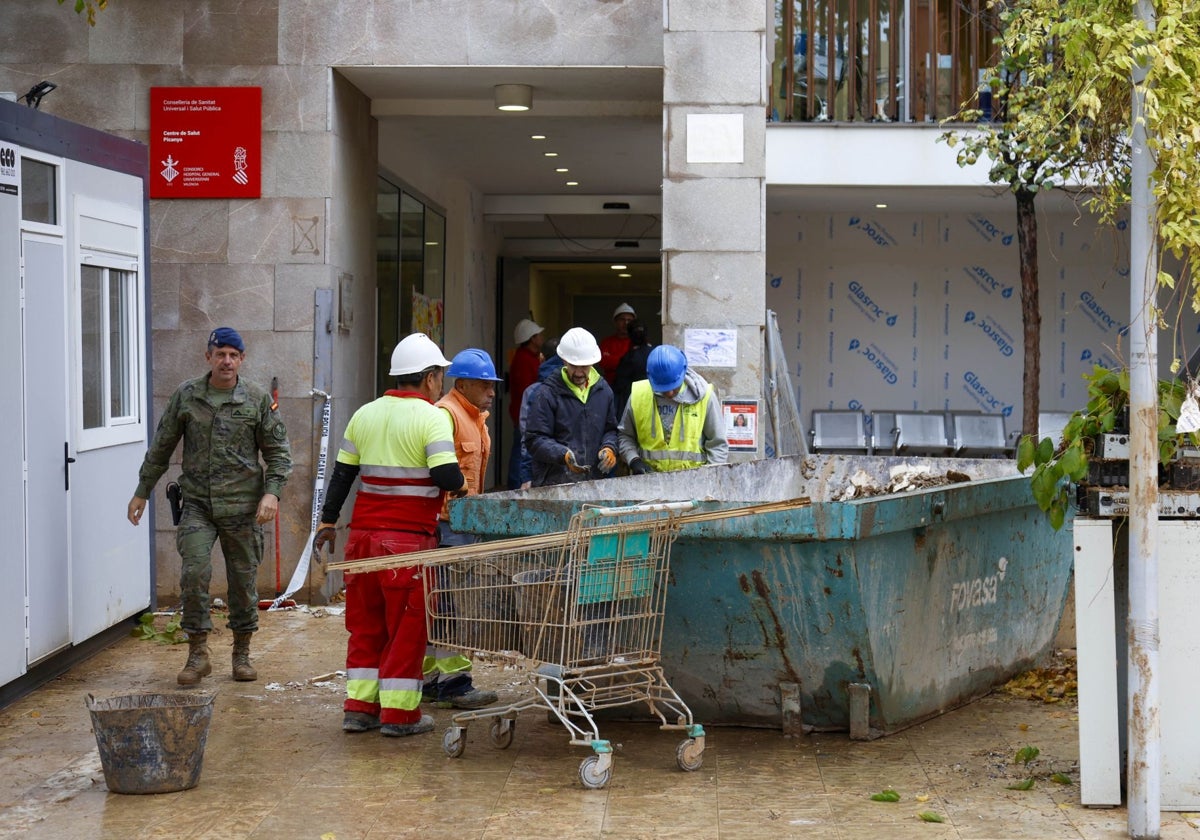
pixel 525 330
pixel 624 309
pixel 578 347
pixel 416 353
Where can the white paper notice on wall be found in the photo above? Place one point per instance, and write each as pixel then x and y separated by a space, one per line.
pixel 1189 415
pixel 710 348
pixel 715 138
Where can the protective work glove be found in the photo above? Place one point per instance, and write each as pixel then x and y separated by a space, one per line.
pixel 573 465
pixel 606 459
pixel 326 535
pixel 460 492
pixel 638 467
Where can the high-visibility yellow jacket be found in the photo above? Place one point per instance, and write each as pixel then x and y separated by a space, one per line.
pixel 684 448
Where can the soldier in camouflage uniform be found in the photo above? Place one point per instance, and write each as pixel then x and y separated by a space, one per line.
pixel 225 422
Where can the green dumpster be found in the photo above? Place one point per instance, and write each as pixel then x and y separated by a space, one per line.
pixel 911 603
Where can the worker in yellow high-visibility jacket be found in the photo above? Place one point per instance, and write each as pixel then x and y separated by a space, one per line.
pixel 672 420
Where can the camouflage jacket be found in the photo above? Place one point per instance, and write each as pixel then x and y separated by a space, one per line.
pixel 221 444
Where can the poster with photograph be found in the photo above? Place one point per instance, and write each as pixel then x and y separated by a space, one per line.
pixel 741 424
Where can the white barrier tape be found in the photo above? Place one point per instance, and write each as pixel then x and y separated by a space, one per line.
pixel 301 574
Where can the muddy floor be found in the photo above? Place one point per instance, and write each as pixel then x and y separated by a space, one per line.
pixel 277 765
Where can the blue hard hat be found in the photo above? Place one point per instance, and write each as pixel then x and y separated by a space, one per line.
pixel 665 368
pixel 472 364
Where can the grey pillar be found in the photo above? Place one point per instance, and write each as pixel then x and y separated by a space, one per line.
pixel 714 184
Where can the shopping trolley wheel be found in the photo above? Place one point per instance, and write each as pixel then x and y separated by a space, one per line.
pixel 501 733
pixel 689 755
pixel 590 774
pixel 454 742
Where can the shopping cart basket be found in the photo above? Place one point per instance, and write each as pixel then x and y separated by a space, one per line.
pixel 579 611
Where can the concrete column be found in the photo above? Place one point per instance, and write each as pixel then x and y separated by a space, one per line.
pixel 714 184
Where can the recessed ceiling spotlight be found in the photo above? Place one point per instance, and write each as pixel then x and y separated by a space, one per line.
pixel 513 97
pixel 624 274
pixel 618 267
pixel 537 136
pixel 562 169
pixel 550 154
pixel 881 206
pixel 572 183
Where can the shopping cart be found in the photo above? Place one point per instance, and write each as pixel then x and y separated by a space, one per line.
pixel 581 612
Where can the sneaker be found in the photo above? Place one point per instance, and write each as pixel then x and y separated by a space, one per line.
pixel 399 730
pixel 476 698
pixel 359 722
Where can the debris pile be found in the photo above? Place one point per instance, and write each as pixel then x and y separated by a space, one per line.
pixel 1057 682
pixel 902 479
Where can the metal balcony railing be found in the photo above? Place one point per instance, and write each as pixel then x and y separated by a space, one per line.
pixel 878 60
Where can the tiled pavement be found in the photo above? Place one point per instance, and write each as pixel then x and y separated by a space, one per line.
pixel 278 766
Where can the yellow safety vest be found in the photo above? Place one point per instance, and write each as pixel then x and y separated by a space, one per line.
pixel 684 450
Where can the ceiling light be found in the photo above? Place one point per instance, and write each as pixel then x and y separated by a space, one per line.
pixel 881 206
pixel 562 169
pixel 513 97
pixel 537 136
pixel 624 274
pixel 618 267
pixel 572 183
pixel 550 154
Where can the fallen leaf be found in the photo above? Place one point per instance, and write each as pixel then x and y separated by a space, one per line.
pixel 1061 778
pixel 1026 784
pixel 1024 727
pixel 931 816
pixel 885 795
pixel 924 797
pixel 1027 754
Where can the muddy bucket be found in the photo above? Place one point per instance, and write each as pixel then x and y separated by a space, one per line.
pixel 151 743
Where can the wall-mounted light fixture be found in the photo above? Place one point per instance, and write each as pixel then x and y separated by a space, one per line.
pixel 513 97
pixel 34 98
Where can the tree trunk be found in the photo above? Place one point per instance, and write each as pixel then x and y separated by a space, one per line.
pixel 1031 313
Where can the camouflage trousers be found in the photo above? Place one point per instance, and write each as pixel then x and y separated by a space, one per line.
pixel 241 544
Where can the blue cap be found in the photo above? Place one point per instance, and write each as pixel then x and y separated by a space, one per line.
pixel 226 337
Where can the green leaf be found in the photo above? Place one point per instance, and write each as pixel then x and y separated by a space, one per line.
pixel 1026 784
pixel 1045 450
pixel 885 795
pixel 1058 514
pixel 1073 462
pixel 1025 452
pixel 1062 779
pixel 1027 754
pixel 1045 485
pixel 931 816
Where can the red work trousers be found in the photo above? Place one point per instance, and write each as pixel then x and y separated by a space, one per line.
pixel 385 616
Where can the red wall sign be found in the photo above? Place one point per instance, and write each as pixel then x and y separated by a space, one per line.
pixel 205 142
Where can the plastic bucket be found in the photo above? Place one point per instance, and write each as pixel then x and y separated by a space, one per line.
pixel 151 743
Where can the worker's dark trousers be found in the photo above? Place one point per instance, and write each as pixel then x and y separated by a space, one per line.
pixel 241 544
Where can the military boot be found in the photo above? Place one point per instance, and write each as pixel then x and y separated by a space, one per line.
pixel 197 662
pixel 243 671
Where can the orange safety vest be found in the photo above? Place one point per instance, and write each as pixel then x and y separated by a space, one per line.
pixel 472 442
